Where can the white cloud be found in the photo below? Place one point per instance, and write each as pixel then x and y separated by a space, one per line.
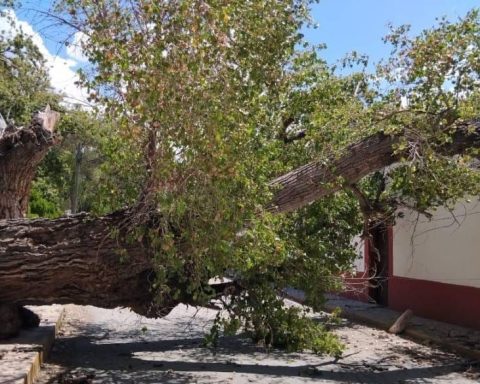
pixel 61 70
pixel 74 49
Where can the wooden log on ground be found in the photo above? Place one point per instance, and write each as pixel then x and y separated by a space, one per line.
pixel 401 323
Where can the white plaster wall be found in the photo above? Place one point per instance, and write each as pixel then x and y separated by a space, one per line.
pixel 359 263
pixel 445 249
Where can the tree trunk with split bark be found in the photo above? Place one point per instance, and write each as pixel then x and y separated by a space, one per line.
pixel 21 150
pixel 74 259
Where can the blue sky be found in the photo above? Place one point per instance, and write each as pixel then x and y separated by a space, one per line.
pixel 344 25
pixel 347 25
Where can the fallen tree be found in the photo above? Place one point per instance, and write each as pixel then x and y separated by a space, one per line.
pixel 76 259
pixel 203 106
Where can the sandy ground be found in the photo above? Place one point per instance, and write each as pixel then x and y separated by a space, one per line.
pixel 118 346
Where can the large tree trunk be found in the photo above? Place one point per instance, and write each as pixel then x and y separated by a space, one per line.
pixel 76 260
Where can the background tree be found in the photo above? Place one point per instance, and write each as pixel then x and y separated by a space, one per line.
pixel 25 85
pixel 77 175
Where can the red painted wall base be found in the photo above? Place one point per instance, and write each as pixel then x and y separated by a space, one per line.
pixel 451 303
pixel 357 287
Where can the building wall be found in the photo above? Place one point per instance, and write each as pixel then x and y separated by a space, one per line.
pixel 445 249
pixel 436 265
pixel 356 285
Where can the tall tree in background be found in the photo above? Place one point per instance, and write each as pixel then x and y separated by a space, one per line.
pixel 25 85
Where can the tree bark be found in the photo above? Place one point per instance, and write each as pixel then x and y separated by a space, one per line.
pixel 76 260
pixel 401 323
pixel 320 178
pixel 21 150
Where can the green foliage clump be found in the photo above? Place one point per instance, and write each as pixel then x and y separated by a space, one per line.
pixel 264 317
pixel 194 105
pixel 77 174
pixel 24 81
pixel 44 200
pixel 321 249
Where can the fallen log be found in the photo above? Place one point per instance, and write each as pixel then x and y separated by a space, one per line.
pixel 401 323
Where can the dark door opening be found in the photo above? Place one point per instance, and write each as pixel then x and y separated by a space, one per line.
pixel 379 263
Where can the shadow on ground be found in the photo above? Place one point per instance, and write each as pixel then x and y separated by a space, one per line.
pixel 172 352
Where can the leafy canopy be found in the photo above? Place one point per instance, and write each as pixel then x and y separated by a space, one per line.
pixel 24 81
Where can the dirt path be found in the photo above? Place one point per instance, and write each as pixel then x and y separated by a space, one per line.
pixel 117 346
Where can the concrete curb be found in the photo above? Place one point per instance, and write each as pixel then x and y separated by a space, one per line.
pixel 412 332
pixel 46 343
pixel 22 356
pixel 419 329
pixel 459 349
pixel 359 318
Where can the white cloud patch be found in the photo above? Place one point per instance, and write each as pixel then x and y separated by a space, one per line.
pixel 404 102
pixel 74 49
pixel 61 70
